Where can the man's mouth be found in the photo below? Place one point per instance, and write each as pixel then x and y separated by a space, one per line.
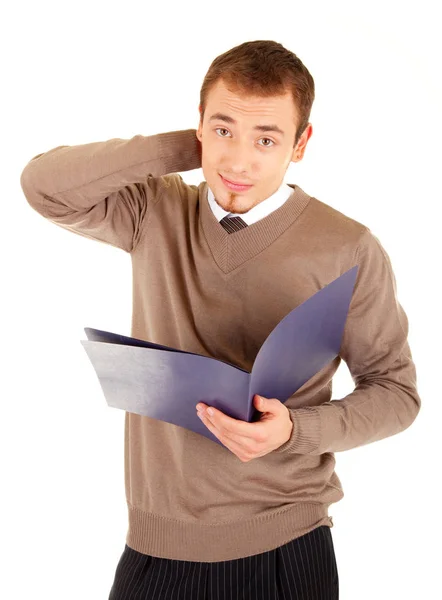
pixel 234 185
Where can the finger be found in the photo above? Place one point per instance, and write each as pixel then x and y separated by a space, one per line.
pixel 244 448
pixel 233 446
pixel 235 429
pixel 210 426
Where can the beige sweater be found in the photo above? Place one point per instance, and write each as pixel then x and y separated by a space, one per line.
pixel 197 288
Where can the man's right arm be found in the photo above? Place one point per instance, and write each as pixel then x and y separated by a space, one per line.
pixel 103 190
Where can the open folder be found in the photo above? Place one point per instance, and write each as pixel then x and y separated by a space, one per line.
pixel 166 383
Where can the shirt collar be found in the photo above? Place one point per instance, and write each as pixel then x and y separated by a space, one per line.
pixel 259 211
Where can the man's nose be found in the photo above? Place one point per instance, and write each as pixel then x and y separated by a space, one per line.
pixel 238 159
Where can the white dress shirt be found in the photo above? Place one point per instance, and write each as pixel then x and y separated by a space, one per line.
pixel 259 211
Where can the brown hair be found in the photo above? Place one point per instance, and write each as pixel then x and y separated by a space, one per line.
pixel 263 68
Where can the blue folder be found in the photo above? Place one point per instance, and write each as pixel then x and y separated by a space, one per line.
pixel 166 383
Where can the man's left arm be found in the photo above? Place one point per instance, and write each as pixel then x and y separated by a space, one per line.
pixel 385 400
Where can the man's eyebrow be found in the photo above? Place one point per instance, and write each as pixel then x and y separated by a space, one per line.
pixel 221 117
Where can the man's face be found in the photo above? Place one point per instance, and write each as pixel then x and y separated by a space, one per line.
pixel 242 154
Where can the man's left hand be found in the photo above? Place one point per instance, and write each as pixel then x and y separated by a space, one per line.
pixel 250 440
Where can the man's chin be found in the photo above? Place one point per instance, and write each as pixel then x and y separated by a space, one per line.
pixel 236 208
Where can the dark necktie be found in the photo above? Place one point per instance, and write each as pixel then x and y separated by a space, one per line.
pixel 232 224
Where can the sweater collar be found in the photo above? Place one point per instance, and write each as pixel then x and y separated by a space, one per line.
pixel 230 250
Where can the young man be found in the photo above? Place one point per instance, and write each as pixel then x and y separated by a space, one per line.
pixel 215 268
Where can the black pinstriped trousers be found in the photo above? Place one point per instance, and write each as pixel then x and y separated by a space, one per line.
pixel 303 569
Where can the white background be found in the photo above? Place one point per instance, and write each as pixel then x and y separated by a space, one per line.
pixel 88 71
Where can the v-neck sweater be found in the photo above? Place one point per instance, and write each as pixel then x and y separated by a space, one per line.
pixel 203 290
pixel 230 251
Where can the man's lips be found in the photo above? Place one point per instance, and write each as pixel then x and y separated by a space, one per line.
pixel 236 183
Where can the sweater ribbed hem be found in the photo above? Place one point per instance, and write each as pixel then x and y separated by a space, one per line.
pixel 204 542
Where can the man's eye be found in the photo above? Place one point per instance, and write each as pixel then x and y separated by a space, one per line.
pixel 220 129
pixel 269 140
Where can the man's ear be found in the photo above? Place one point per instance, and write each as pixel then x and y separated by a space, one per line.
pixel 199 133
pixel 298 152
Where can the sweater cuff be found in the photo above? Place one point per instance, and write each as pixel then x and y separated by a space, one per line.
pixel 306 432
pixel 180 150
